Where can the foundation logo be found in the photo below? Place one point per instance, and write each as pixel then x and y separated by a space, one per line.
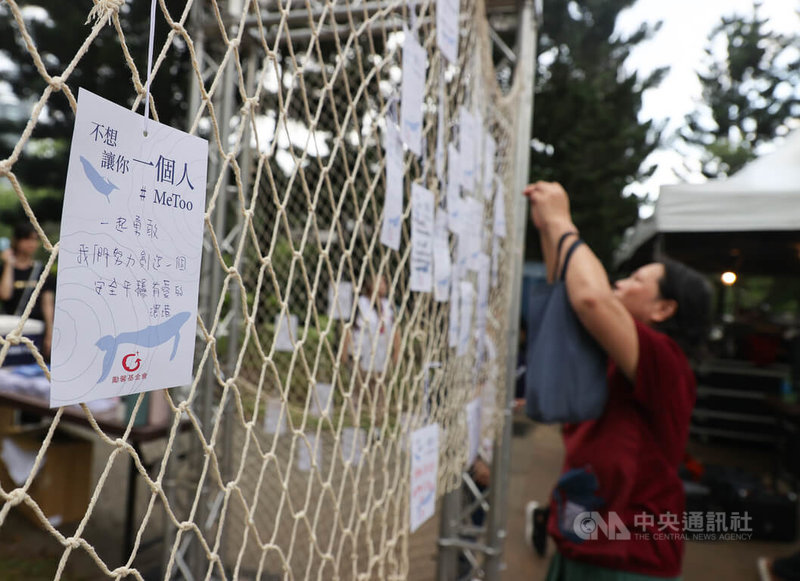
pixel 131 361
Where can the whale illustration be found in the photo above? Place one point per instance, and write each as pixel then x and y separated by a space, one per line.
pixel 151 336
pixel 101 184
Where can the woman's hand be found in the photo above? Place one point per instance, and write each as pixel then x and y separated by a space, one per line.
pixel 8 257
pixel 549 204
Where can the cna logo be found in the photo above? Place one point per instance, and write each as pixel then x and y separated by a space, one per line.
pixel 590 525
pixel 131 362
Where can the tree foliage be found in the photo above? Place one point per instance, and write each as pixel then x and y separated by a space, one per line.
pixel 586 127
pixel 749 93
pixel 58 30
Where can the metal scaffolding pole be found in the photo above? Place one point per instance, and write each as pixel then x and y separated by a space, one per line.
pixel 497 518
pixel 210 295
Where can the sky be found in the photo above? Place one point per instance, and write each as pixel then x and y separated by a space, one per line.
pixel 680 45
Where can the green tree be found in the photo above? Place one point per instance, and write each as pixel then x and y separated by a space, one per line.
pixel 586 128
pixel 749 93
pixel 58 30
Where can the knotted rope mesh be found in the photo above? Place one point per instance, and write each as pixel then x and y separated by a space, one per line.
pixel 288 454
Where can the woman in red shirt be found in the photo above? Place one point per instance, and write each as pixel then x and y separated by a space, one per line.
pixel 617 511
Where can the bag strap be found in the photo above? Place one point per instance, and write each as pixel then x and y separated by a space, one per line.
pixel 572 248
pixel 36 270
pixel 560 244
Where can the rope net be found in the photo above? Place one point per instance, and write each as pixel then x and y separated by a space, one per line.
pixel 287 456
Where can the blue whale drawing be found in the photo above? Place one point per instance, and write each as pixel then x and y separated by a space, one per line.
pixel 151 336
pixel 101 184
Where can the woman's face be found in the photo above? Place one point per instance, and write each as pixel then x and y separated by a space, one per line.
pixel 27 246
pixel 639 294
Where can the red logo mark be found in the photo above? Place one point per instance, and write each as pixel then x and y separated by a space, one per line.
pixel 129 367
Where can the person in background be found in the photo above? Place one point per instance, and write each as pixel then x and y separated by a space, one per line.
pixel 623 467
pixel 373 342
pixel 21 273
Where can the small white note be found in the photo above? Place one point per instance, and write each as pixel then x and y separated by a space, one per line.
pixel 393 202
pixel 422 216
pixel 413 92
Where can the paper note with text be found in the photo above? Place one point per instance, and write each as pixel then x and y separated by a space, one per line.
pixel 129 256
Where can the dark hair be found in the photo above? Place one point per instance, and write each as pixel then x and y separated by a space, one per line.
pixel 690 324
pixel 24 230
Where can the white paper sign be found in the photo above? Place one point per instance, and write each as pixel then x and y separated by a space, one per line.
pixel 482 309
pixel 453 189
pixel 465 318
pixel 321 400
pixel 306 452
pixel 393 202
pixel 473 225
pixel 413 92
pixel 447 28
pixel 473 412
pixel 275 417
pixel 129 256
pixel 467 148
pixel 477 137
pixel 340 300
pixel 422 216
pixel 500 211
pixel 353 440
pixel 442 265
pixel 424 474
pixel 489 152
pixel 463 252
pixel 285 335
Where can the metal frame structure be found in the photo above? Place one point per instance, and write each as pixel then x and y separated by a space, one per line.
pixel 455 533
pixel 456 530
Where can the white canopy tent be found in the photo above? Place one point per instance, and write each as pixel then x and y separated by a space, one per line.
pixel 750 220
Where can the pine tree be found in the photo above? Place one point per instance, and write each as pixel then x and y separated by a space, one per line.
pixel 586 127
pixel 749 93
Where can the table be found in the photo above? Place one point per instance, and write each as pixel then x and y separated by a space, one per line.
pixel 112 426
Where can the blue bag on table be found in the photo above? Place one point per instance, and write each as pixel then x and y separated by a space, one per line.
pixel 565 377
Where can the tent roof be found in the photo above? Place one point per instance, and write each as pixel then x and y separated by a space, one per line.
pixel 757 209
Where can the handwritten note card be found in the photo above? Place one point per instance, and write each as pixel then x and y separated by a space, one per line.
pixel 467 148
pixel 353 441
pixel 413 92
pixel 473 413
pixel 447 12
pixel 393 202
pixel 453 189
pixel 441 258
pixel 424 474
pixel 285 332
pixel 482 307
pixel 422 209
pixel 465 318
pixel 305 453
pixel 473 231
pixel 129 256
pixel 275 416
pixel 340 300
pixel 321 400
